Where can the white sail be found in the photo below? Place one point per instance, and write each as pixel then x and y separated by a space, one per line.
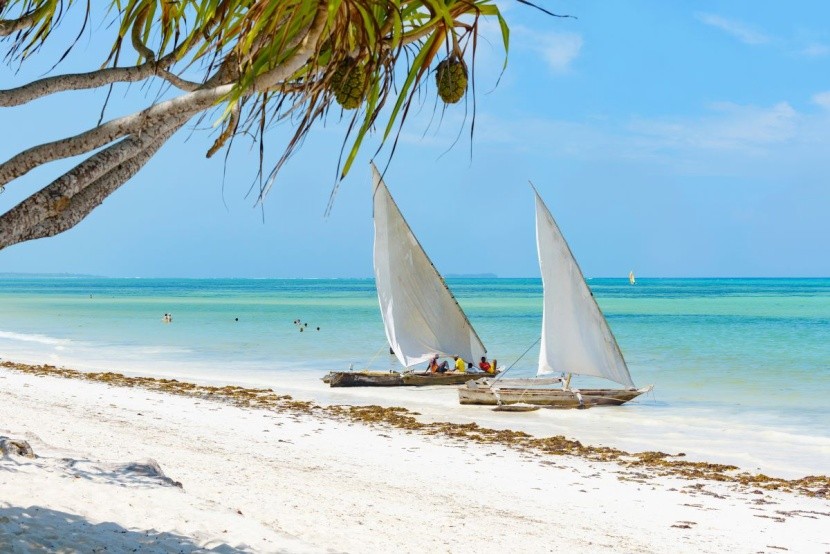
pixel 575 336
pixel 631 279
pixel 420 314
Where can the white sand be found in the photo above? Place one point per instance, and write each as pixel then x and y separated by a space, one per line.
pixel 760 442
pixel 260 481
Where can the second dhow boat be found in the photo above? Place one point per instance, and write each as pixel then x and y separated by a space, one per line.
pixel 421 316
pixel 576 339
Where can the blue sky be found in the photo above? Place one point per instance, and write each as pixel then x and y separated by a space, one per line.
pixel 674 139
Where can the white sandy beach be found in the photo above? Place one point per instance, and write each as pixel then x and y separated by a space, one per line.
pixel 259 481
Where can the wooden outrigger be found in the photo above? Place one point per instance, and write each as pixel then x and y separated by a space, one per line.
pixel 396 378
pixel 487 393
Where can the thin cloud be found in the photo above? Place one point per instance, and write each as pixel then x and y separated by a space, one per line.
pixel 816 50
pixel 730 127
pixel 822 99
pixel 729 139
pixel 742 32
pixel 560 50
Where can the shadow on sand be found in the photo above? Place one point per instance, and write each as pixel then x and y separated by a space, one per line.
pixel 38 529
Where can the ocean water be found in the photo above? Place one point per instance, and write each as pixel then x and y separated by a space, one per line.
pixel 741 367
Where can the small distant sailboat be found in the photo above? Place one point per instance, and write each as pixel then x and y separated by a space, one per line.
pixel 576 339
pixel 421 316
pixel 631 279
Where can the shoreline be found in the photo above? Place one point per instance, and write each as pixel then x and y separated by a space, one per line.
pixel 252 470
pixel 760 441
pixel 661 463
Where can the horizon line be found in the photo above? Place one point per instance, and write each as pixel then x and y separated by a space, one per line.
pixel 35 275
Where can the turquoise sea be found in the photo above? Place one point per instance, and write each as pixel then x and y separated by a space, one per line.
pixel 744 353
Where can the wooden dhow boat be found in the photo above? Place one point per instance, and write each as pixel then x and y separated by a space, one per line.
pixel 421 316
pixel 576 339
pixel 366 378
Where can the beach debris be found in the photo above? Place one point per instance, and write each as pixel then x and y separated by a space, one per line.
pixel 16 447
pixel 148 469
pixel 776 519
pixel 140 473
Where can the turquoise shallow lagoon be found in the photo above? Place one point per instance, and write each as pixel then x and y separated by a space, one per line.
pixel 746 357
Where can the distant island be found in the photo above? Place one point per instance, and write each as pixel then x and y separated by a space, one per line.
pixel 472 276
pixel 45 276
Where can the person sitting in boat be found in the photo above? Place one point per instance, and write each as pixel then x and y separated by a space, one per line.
pixel 435 367
pixel 460 364
pixel 485 366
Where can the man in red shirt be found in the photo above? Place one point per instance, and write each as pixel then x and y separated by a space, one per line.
pixel 485 366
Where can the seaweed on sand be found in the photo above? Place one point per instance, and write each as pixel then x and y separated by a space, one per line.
pixel 658 463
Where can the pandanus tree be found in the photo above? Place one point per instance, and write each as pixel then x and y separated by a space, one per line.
pixel 247 64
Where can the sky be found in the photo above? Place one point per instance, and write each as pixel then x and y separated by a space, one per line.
pixel 674 139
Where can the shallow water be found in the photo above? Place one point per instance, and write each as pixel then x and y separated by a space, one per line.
pixel 741 367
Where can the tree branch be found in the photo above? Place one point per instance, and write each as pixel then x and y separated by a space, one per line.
pixel 76 81
pixel 190 104
pixel 11 26
pixel 177 81
pixel 186 104
pixel 227 133
pixel 276 76
pixel 67 200
pixel 95 79
pixel 135 35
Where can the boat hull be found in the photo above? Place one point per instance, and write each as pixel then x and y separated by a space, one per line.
pixel 425 379
pixel 396 379
pixel 363 379
pixel 548 398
